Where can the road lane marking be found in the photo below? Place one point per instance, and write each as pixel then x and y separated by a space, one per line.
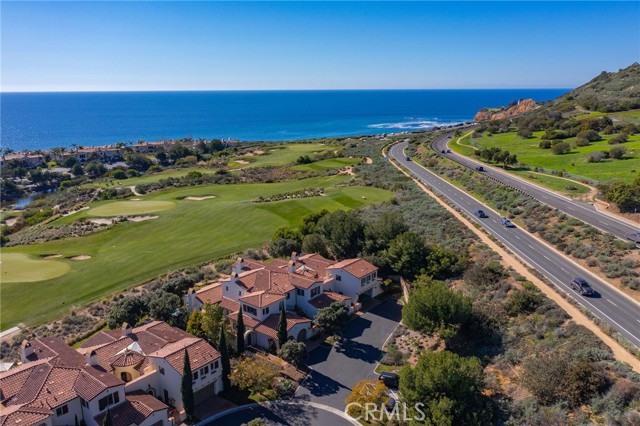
pixel 612 303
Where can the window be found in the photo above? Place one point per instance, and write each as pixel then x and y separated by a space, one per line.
pixel 226 288
pixel 250 309
pixel 265 311
pixel 362 281
pixel 195 376
pixel 112 398
pixel 315 291
pixel 300 292
pixel 161 370
pixel 338 277
pixel 125 376
pixel 288 296
pixel 215 365
pixel 204 371
pixel 240 293
pixel 61 411
pixel 84 403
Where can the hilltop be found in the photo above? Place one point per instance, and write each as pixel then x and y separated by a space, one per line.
pixel 514 109
pixel 608 92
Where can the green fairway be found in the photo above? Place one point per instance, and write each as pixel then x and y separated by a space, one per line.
pixel 20 268
pixel 130 207
pixel 280 155
pixel 192 232
pixel 574 162
pixel 328 164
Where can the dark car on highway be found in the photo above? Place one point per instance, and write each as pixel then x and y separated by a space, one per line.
pixel 634 236
pixel 408 158
pixel 390 380
pixel 480 168
pixel 507 223
pixel 582 287
pixel 481 214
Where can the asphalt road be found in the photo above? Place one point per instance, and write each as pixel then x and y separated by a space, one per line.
pixel 337 370
pixel 580 210
pixel 610 305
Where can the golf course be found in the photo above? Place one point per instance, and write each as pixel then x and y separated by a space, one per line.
pixel 184 226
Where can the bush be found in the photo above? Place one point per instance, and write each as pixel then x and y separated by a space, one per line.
pixel 560 148
pixel 617 152
pixel 622 138
pixel 523 302
pixel 545 144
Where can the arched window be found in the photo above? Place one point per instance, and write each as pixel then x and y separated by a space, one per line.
pixel 125 376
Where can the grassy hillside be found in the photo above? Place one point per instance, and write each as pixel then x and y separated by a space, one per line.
pixel 186 232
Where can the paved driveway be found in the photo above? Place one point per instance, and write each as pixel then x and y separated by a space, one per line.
pixel 336 371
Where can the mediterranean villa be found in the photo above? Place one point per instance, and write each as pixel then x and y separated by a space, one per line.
pixel 135 373
pixel 301 286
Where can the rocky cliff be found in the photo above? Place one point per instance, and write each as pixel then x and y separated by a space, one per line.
pixel 523 106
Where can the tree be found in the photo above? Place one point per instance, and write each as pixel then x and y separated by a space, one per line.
pixel 129 309
pixel 522 302
pixel 560 148
pixel 256 422
pixel 163 305
pixel 617 152
pixel 213 321
pixel 343 233
pixel 224 359
pixel 77 170
pixel 95 169
pixel 442 263
pixel 255 375
pixel 240 330
pixel 331 318
pixel 450 385
pixel 283 247
pixel 107 421
pixel 187 387
pixel 381 232
pixel 293 352
pixel 436 308
pixel 282 326
pixel 406 254
pixel 138 162
pixel 368 391
pixel 194 325
pixel 314 243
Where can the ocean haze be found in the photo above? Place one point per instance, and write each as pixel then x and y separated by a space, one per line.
pixel 33 121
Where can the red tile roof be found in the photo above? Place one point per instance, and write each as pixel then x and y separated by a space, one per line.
pixel 269 327
pixel 127 359
pixel 326 299
pixel 249 322
pixel 210 294
pixel 359 268
pixel 230 304
pixel 133 411
pixel 23 415
pixel 200 354
pixel 261 299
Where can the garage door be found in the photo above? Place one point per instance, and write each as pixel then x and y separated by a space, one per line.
pixel 204 393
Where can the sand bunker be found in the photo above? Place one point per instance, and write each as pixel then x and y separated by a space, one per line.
pixel 102 221
pixel 242 162
pixel 140 218
pixel 51 256
pixel 208 197
pixel 81 257
pixel 368 160
pixel 135 199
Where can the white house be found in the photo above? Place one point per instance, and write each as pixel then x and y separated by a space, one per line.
pixel 135 373
pixel 303 284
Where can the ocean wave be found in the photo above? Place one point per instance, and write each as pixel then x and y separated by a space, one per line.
pixel 411 125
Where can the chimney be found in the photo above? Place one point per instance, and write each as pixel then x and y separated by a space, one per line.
pixel 237 267
pixel 92 358
pixel 126 329
pixel 291 267
pixel 234 277
pixel 25 350
pixel 294 256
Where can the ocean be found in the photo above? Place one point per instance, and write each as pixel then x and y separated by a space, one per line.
pixel 31 121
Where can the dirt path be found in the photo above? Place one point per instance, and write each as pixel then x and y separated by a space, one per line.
pixel 136 193
pixel 509 259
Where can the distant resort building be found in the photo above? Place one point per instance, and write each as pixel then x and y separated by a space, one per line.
pixel 301 286
pixel 135 373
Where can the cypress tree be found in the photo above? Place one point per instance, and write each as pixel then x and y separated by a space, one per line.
pixel 224 360
pixel 240 329
pixel 282 326
pixel 106 421
pixel 187 387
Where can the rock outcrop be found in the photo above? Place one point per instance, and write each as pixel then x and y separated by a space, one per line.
pixel 523 106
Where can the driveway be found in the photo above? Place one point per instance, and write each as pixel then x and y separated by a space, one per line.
pixel 335 372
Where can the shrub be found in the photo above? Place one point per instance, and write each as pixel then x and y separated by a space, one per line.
pixel 560 148
pixel 617 152
pixel 544 144
pixel 523 302
pixel 622 138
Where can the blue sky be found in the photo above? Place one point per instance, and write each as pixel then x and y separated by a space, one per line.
pixel 68 46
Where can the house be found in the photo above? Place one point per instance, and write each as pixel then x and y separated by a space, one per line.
pixel 301 285
pixel 135 373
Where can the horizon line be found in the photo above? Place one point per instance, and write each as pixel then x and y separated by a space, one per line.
pixel 278 90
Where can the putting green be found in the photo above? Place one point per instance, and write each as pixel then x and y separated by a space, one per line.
pixel 122 208
pixel 18 267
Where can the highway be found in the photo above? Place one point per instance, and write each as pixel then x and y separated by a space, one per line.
pixel 580 210
pixel 609 304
